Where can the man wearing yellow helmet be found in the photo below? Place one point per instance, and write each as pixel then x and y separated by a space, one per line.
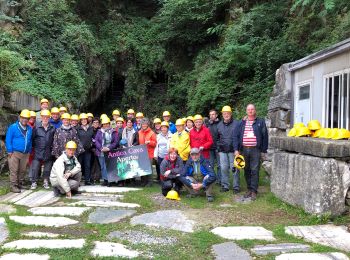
pixel 115 115
pixel 44 105
pixel 42 145
pixel 66 172
pixel 251 139
pixel 55 118
pixel 18 145
pixel 166 118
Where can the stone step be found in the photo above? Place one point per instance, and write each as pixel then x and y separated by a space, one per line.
pixel 312 256
pixel 7 209
pixel 3 231
pixel 229 250
pixel 92 203
pixel 103 189
pixel 45 243
pixel 41 234
pixel 279 248
pixel 43 221
pixel 62 211
pixel 13 197
pixel 39 198
pixel 106 216
pixel 244 232
pixel 15 256
pixel 108 249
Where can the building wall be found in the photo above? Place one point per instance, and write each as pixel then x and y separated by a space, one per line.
pixel 315 73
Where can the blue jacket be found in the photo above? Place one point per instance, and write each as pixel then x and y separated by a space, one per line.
pixel 16 141
pixel 205 168
pixel 172 127
pixel 260 131
pixel 56 124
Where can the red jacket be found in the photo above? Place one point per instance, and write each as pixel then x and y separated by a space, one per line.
pixel 148 135
pixel 201 138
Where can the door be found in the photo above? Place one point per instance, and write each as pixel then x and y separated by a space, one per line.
pixel 302 104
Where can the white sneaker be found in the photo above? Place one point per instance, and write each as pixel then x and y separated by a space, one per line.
pixel 46 185
pixel 34 186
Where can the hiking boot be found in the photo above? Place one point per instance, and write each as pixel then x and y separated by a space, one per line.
pixel 33 186
pixel 56 192
pixel 253 196
pixel 248 194
pixel 15 189
pixel 236 191
pixel 87 183
pixel 224 189
pixel 46 184
pixel 210 198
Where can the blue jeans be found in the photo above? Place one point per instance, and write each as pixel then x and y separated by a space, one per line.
pixel 226 164
pixel 251 169
pixel 85 162
pixel 214 156
pixel 104 174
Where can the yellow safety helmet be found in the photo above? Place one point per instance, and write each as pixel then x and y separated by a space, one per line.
pixel 165 123
pixel 120 119
pixel 116 112
pixel 197 117
pixel 179 122
pixel 317 133
pixel 190 118
pixel 157 121
pixel 173 195
pixel 90 115
pixel 71 145
pixel 239 162
pixel 105 120
pixel 45 112
pixel 292 132
pixel 314 125
pixel 342 134
pixel 226 109
pixel 325 133
pixel 131 111
pixel 184 119
pixel 32 114
pixel 139 114
pixel 55 110
pixel 296 125
pixel 25 113
pixel 166 113
pixel 63 109
pixel 103 115
pixel 65 116
pixel 44 100
pixel 302 131
pixel 74 117
pixel 83 116
pixel 333 133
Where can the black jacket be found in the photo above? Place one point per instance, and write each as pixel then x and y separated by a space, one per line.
pixel 213 127
pixel 226 135
pixel 260 131
pixel 42 142
pixel 85 137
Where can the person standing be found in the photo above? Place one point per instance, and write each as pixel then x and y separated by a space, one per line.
pixel 95 164
pixel 189 123
pixel 149 138
pixel 200 137
pixel 129 134
pixel 90 117
pixel 115 115
pixel 43 136
pixel 119 127
pixel 181 140
pixel 251 140
pixel 157 125
pixel 226 132
pixel 18 145
pixel 85 135
pixel 214 154
pixel 55 118
pixel 166 118
pixel 163 145
pixel 74 121
pixel 139 117
pixel 44 105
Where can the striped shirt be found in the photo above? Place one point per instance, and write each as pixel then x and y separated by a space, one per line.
pixel 249 139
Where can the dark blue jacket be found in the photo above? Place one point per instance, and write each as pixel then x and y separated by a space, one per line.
pixel 56 124
pixel 205 168
pixel 260 131
pixel 16 141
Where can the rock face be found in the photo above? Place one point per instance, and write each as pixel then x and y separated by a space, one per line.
pixel 318 185
pixel 326 148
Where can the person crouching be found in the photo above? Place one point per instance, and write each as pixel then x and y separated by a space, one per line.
pixel 170 170
pixel 66 172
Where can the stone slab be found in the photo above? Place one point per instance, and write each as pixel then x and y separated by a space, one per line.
pixel 105 216
pixel 3 230
pixel 140 237
pixel 244 232
pixel 62 211
pixel 279 248
pixel 169 219
pixel 228 251
pixel 15 256
pixel 13 197
pixel 7 209
pixel 108 249
pixel 326 148
pixel 102 189
pixel 97 203
pixel 39 198
pixel 312 256
pixel 44 221
pixel 41 234
pixel 318 185
pixel 45 243
pixel 98 197
pixel 327 235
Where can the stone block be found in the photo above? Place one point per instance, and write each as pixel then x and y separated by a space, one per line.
pixel 108 249
pixel 313 256
pixel 21 100
pixel 279 248
pixel 106 216
pixel 279 119
pixel 283 102
pixel 3 230
pixel 318 185
pixel 313 146
pixel 230 250
pixel 45 243
pixel 244 232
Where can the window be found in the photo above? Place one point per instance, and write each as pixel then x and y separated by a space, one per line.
pixel 304 92
pixel 337 100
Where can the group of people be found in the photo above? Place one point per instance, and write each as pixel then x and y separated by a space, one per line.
pixel 68 147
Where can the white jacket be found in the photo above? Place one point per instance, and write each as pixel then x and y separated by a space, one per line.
pixel 57 172
pixel 161 140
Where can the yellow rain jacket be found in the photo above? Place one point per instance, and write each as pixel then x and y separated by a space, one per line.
pixel 181 141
